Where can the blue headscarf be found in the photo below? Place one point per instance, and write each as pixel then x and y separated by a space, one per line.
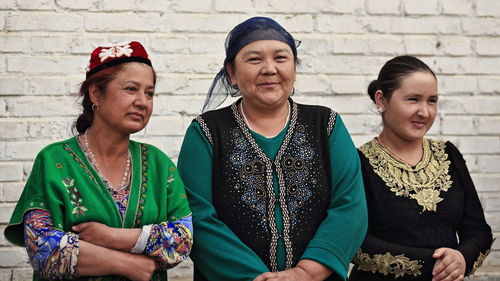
pixel 253 29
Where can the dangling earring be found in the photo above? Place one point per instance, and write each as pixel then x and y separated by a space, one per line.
pixel 293 92
pixel 236 93
pixel 95 107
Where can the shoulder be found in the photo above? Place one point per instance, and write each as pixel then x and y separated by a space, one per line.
pixel 214 114
pixel 315 108
pixel 57 147
pixel 151 151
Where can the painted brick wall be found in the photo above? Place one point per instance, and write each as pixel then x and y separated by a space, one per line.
pixel 44 46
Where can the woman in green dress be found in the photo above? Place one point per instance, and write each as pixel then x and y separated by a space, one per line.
pixel 99 204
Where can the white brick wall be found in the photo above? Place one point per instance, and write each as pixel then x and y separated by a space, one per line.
pixel 44 46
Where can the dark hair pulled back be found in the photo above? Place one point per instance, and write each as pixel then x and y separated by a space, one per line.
pixel 101 80
pixel 392 73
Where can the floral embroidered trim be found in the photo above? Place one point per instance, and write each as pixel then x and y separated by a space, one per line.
pixel 479 261
pixel 331 122
pixel 116 51
pixel 75 197
pixel 144 183
pixel 387 264
pixel 423 183
pixel 205 129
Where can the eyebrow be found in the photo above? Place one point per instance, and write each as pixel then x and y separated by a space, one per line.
pixel 251 52
pixel 138 84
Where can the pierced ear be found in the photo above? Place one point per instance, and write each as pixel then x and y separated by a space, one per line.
pixel 94 94
pixel 232 76
pixel 380 99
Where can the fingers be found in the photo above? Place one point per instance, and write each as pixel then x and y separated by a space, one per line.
pixel 264 276
pixel 438 253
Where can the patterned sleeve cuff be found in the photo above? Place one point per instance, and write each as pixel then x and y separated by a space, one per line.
pixel 142 241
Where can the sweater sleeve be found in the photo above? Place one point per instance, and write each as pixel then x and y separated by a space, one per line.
pixel 343 230
pixel 474 233
pixel 217 252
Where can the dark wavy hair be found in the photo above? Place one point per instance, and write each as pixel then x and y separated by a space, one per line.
pixel 393 72
pixel 101 80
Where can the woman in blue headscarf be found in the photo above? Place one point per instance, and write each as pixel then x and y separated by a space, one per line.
pixel 275 187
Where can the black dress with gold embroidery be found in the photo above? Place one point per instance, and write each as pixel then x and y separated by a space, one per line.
pixel 414 210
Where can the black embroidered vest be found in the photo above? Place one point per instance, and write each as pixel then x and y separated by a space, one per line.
pixel 242 184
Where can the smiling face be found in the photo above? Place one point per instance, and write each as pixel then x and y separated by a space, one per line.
pixel 410 111
pixel 127 104
pixel 264 71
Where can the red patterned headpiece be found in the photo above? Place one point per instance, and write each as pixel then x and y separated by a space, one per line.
pixel 116 53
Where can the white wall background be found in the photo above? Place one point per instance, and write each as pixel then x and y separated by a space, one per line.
pixel 44 48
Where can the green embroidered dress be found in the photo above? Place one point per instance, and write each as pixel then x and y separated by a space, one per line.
pixel 64 183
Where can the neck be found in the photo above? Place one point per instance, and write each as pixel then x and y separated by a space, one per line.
pixel 268 121
pixel 107 144
pixel 408 151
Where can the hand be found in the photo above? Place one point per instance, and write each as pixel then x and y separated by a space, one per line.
pixel 139 268
pixel 449 266
pixel 294 274
pixel 96 233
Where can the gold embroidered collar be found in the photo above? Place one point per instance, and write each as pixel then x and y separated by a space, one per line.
pixel 423 183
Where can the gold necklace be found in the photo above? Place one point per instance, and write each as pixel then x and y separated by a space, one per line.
pixel 388 148
pixel 248 123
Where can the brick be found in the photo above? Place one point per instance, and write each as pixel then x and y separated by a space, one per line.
pixel 175 105
pixel 8 4
pixel 13 129
pixel 344 105
pixel 192 6
pixel 488 8
pixel 153 6
pixel 386 45
pixel 315 44
pixel 297 23
pixel 456 7
pixel 457 84
pixel 492 202
pixel 3 65
pixel 5 214
pixel 493 220
pixel 51 129
pixel 6 273
pixel 340 24
pixel 480 144
pixel 348 84
pixel 48 44
pixel 51 22
pixel 481 26
pixel 115 5
pixel 10 171
pixel 203 23
pixel 77 5
pixel 489 125
pixel 490 164
pixel 482 65
pixel 456 46
pixel 46 64
pixel 486 182
pixel 425 25
pixel 117 22
pixel 12 86
pixel 348 6
pixel 312 84
pixel 489 84
pixel 343 65
pixel 12 191
pixel 10 257
pixel 420 45
pixel 189 86
pixel 383 7
pixel 350 44
pixel 166 125
pixel 26 151
pixel 189 63
pixel 293 6
pixel 41 106
pixel 363 124
pixel 3 107
pixel 28 166
pixel 488 46
pixel 22 273
pixel 46 86
pixel 467 105
pixel 234 6
pixel 452 125
pixel 84 45
pixel 12 44
pixel 36 5
pixel 416 7
pixel 188 45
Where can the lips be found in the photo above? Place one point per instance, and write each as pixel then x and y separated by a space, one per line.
pixel 419 124
pixel 136 115
pixel 268 83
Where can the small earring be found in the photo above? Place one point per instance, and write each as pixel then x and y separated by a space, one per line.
pixel 293 92
pixel 380 109
pixel 95 107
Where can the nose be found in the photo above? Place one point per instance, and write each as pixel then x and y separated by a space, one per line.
pixel 268 67
pixel 423 110
pixel 140 99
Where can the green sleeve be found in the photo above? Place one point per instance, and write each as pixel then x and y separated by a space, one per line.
pixel 217 252
pixel 177 205
pixel 341 233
